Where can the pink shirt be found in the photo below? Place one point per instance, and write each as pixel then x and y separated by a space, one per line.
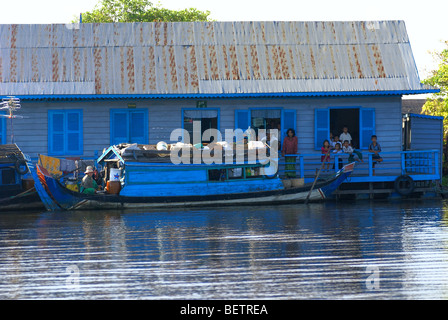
pixel 290 145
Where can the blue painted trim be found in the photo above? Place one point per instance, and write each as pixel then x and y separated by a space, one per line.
pixel 423 116
pixel 106 153
pixel 65 132
pixel 417 177
pixel 223 95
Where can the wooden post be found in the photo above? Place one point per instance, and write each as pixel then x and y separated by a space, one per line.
pixel 403 163
pixel 302 167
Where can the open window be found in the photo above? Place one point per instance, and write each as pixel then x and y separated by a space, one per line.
pixel 209 119
pixel 360 123
pixel 8 176
pixel 264 118
pixel 349 117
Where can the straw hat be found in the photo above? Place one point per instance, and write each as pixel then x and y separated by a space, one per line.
pixel 89 169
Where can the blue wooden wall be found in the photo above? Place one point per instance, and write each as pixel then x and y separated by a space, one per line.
pixel 165 116
pixel 426 132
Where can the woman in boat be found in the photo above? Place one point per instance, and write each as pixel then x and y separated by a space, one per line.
pixel 289 148
pixel 88 184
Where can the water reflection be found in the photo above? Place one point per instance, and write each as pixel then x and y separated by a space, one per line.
pixel 317 251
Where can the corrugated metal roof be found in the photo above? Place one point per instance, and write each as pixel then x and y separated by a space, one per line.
pixel 423 116
pixel 216 58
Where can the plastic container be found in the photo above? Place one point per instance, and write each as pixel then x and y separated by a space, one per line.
pixel 236 173
pixel 115 174
pixel 113 187
pixel 286 183
pixel 297 182
pixel 72 185
pixel 162 145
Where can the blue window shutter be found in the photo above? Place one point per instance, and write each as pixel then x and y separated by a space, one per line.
pixel 321 127
pixel 288 121
pixel 74 132
pixel 119 127
pixel 367 127
pixel 56 136
pixel 138 125
pixel 129 126
pixel 242 119
pixel 65 132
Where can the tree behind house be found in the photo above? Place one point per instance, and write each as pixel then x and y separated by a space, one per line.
pixel 139 11
pixel 437 105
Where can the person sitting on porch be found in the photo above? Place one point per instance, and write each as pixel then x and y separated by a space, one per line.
pixel 338 151
pixel 335 142
pixel 88 184
pixel 375 148
pixel 289 147
pixel 345 135
pixel 348 149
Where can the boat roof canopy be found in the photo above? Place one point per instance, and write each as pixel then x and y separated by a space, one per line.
pixel 9 153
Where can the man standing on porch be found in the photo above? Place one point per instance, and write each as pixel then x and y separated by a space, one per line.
pixel 289 147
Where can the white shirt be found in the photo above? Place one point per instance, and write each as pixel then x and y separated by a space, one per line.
pixel 345 136
pixel 347 149
pixel 333 143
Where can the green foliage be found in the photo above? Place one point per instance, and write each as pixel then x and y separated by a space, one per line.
pixel 139 11
pixel 445 181
pixel 437 105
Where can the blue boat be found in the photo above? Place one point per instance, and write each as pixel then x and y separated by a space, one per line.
pixel 17 192
pixel 148 179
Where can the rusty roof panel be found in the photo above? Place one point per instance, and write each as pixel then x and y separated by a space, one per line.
pixel 206 57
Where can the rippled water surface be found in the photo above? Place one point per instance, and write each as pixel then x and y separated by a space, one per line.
pixel 362 250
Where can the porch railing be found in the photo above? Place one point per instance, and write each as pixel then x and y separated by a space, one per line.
pixel 421 165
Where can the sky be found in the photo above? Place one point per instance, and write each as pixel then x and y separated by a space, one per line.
pixel 426 21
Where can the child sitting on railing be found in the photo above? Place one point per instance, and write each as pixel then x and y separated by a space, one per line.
pixel 348 149
pixel 375 148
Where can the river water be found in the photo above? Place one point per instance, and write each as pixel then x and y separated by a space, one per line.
pixel 362 250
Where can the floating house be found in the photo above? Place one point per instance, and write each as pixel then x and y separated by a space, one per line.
pixel 85 87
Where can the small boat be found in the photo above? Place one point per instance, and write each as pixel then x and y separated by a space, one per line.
pixel 143 177
pixel 17 190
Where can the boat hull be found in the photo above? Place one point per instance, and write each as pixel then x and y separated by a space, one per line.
pixel 57 197
pixel 30 201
